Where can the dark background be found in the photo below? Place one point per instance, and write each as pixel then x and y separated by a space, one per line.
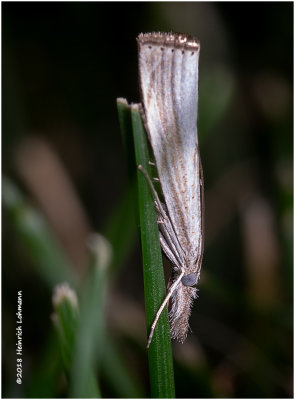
pixel 63 66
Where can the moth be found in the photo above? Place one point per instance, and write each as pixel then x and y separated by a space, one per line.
pixel 168 73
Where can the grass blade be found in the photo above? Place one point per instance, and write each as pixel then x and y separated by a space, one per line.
pixel 160 354
pixel 65 319
pixel 90 337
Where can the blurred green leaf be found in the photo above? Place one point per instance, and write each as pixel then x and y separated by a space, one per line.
pixel 65 304
pixel 121 229
pixel 90 339
pixel 216 91
pixel 118 374
pixel 45 252
pixel 44 380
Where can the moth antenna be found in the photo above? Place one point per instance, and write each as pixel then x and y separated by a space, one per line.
pixel 159 312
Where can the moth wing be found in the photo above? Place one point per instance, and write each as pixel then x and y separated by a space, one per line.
pixel 169 86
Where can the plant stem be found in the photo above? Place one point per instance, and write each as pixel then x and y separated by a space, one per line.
pixel 160 354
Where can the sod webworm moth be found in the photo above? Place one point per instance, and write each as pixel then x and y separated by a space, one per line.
pixel 168 71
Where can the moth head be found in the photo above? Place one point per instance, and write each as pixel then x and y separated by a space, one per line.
pixel 189 280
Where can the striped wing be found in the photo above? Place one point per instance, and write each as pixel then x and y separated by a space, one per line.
pixel 168 66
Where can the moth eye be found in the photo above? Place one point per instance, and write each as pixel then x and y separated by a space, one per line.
pixel 162 48
pixel 182 52
pixel 193 53
pixel 172 50
pixel 150 47
pixel 189 280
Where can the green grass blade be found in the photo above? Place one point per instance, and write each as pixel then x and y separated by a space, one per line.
pixel 91 329
pixel 160 354
pixel 65 320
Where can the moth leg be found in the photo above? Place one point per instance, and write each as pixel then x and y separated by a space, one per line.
pixel 168 251
pixel 171 241
pixel 159 312
pixel 166 226
pixel 146 175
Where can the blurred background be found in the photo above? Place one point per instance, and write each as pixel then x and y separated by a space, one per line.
pixel 65 176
